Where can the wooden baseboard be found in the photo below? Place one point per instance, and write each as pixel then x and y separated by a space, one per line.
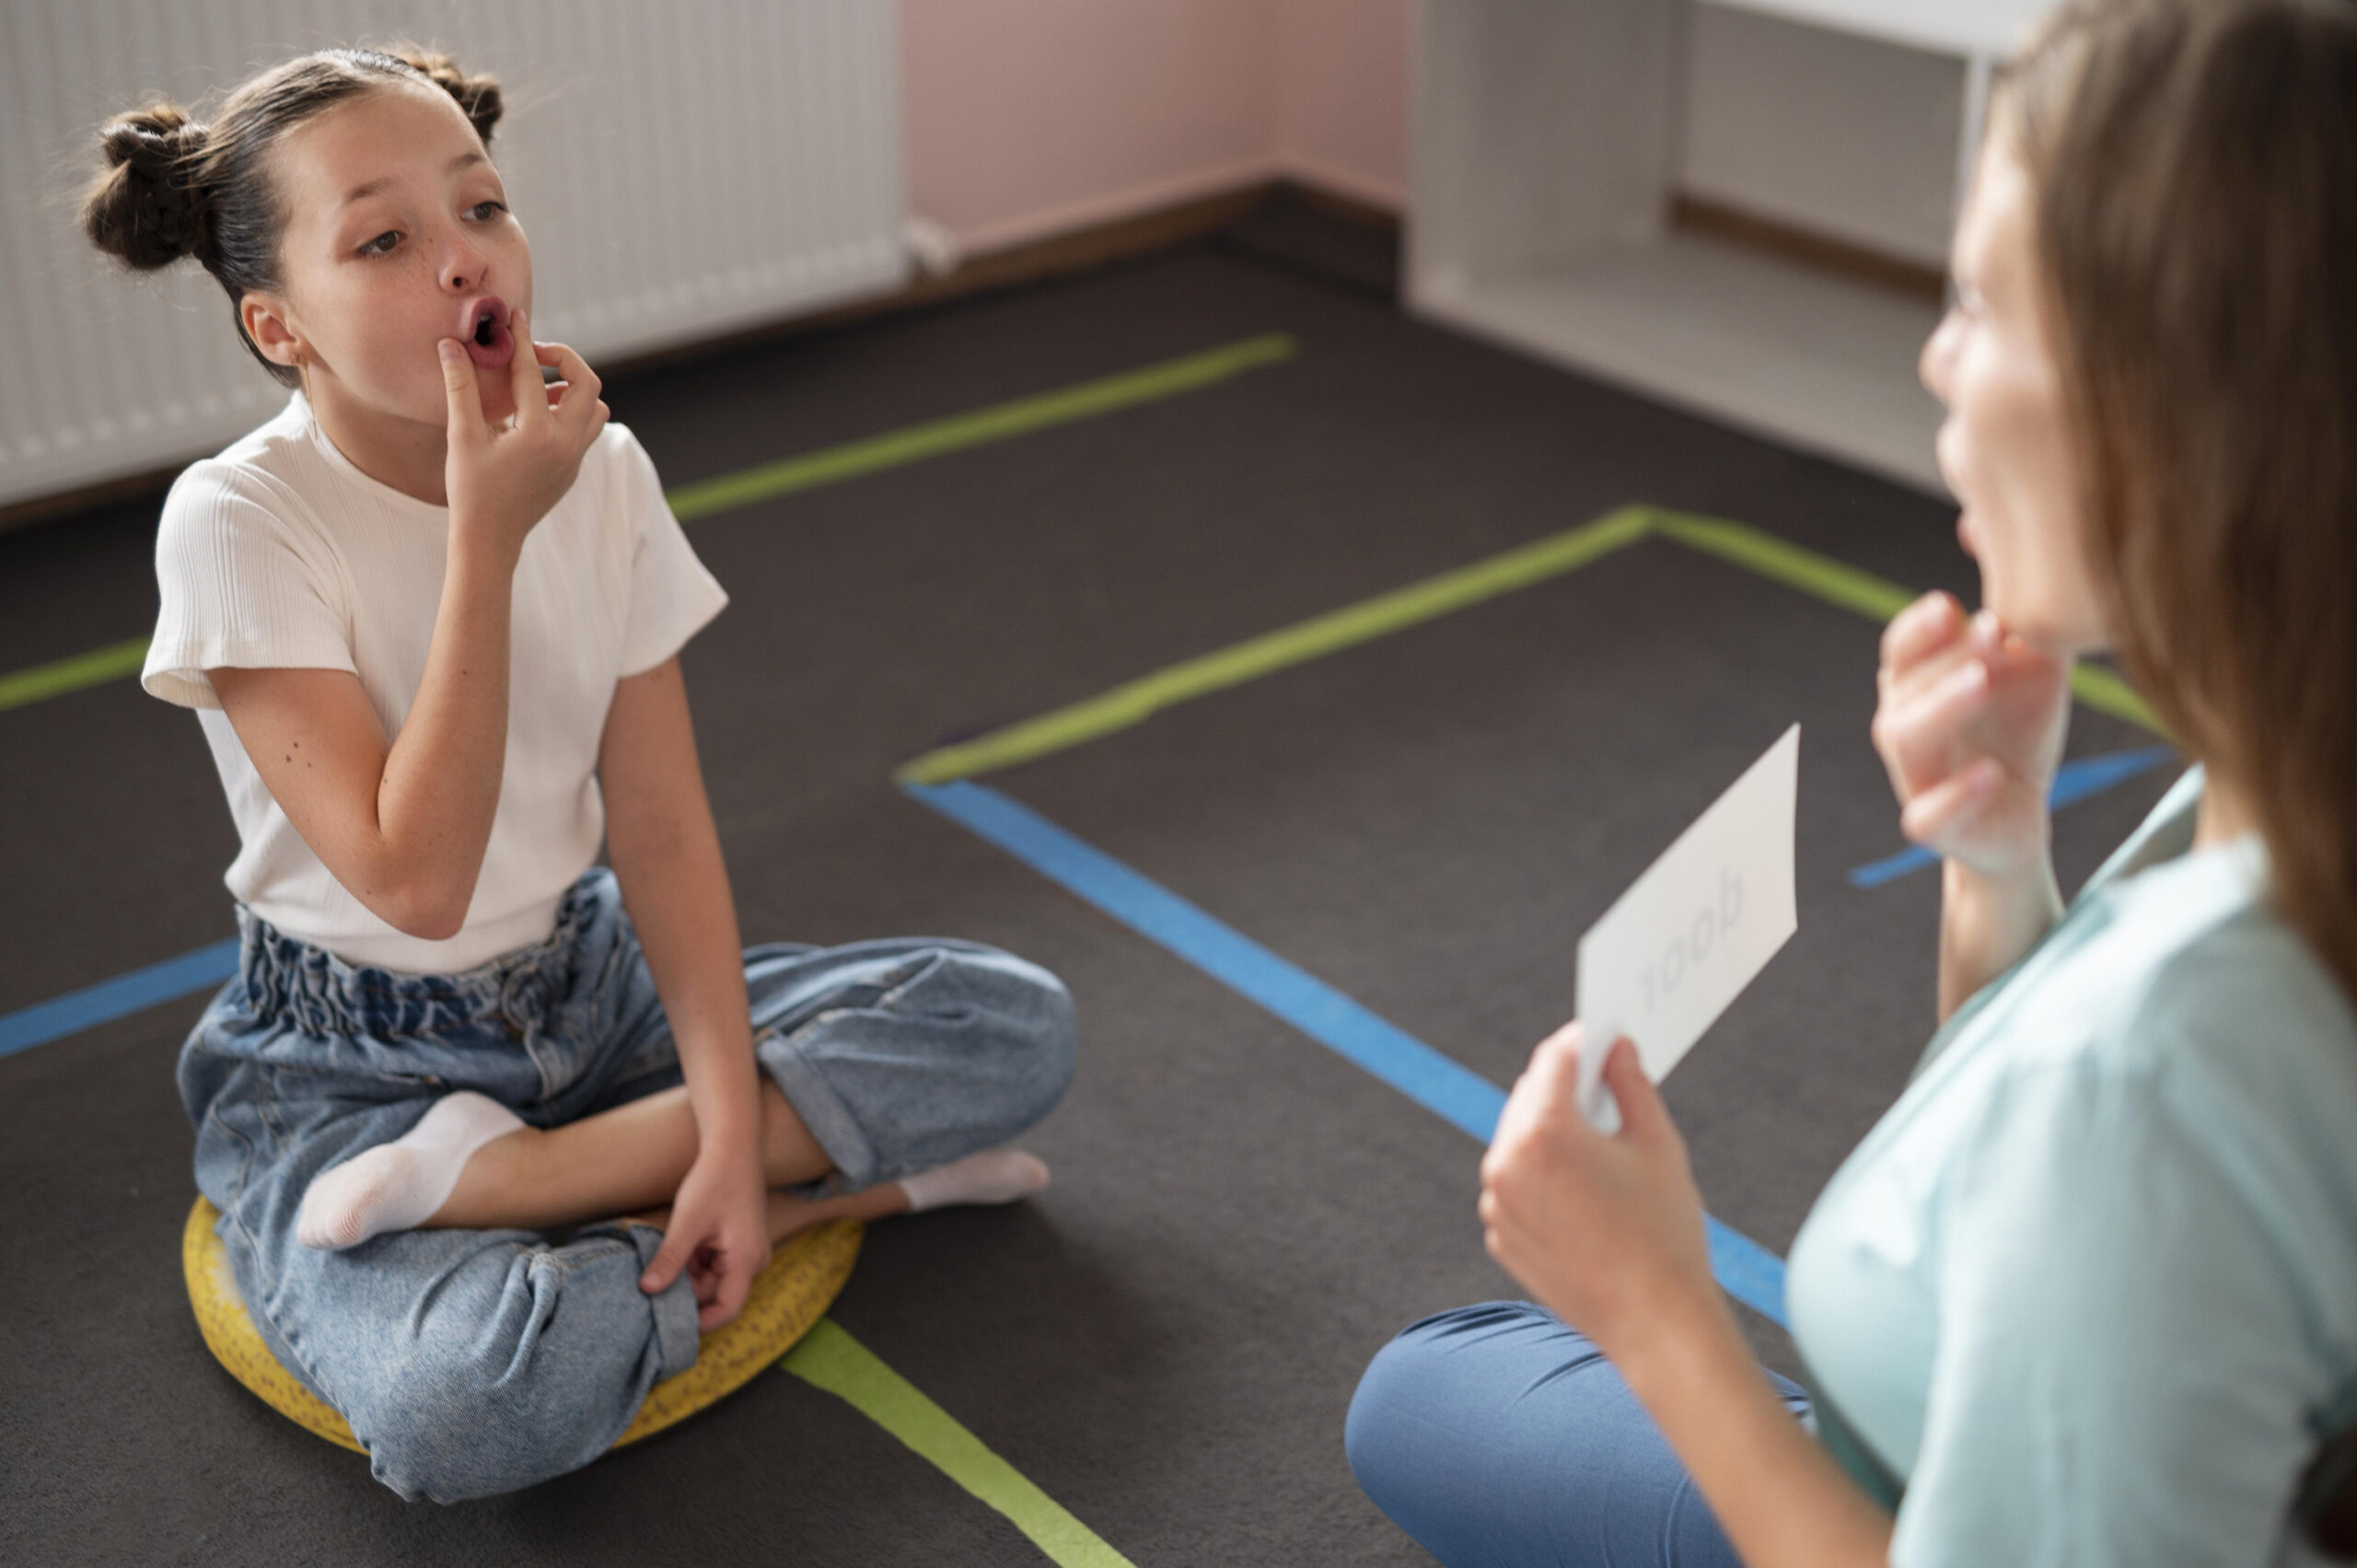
pixel 1342 204
pixel 1697 215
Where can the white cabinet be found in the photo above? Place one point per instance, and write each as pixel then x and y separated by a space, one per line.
pixel 1549 137
pixel 1990 28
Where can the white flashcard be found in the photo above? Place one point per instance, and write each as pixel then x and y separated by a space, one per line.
pixel 1690 934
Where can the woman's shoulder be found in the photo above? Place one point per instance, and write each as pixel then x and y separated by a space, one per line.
pixel 2196 1020
pixel 2201 962
pixel 2175 953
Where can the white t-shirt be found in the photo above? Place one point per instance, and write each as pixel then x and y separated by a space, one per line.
pixel 279 553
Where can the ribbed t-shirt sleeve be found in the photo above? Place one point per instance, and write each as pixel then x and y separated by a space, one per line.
pixel 244 584
pixel 672 596
pixel 2147 1294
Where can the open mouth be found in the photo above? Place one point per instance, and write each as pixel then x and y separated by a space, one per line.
pixel 489 343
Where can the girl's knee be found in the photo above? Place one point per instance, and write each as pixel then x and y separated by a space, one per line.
pixel 1037 1039
pixel 1054 1049
pixel 444 1433
pixel 533 1375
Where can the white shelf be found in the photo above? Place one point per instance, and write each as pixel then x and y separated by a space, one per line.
pixel 1988 28
pixel 1801 355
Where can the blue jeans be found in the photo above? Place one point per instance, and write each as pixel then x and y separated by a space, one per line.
pixel 1496 1435
pixel 475 1362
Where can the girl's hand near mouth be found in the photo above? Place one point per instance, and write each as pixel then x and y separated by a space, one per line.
pixel 502 479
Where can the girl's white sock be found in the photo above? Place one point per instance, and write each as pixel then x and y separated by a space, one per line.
pixel 994 1176
pixel 398 1185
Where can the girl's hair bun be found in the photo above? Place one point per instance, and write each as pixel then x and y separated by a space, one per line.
pixel 478 96
pixel 147 208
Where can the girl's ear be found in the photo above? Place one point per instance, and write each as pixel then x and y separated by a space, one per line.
pixel 264 317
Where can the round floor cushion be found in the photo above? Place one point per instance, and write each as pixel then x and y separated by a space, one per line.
pixel 787 1298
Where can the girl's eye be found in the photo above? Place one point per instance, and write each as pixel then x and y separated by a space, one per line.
pixel 382 244
pixel 487 209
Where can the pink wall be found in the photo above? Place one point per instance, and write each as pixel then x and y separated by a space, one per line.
pixel 1343 96
pixel 1027 117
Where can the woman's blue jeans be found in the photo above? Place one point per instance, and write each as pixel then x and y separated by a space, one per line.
pixel 1499 1437
pixel 475 1362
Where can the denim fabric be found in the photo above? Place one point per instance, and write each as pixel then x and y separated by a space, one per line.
pixel 447 1349
pixel 1499 1438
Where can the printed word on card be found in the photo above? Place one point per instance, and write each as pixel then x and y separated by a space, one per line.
pixel 1690 934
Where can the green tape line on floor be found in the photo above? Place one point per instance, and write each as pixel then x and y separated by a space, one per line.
pixel 1139 700
pixel 829 1358
pixel 96 668
pixel 1755 550
pixel 1835 583
pixel 977 427
pixel 830 465
pixel 2105 693
pixel 1820 577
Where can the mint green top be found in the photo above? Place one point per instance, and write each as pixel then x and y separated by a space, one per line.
pixel 2089 1288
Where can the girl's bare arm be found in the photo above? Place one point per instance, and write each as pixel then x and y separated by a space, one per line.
pixel 403 823
pixel 666 855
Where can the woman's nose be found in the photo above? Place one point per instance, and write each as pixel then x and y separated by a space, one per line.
pixel 1938 357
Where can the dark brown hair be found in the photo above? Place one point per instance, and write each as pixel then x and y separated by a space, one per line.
pixel 175 188
pixel 2196 168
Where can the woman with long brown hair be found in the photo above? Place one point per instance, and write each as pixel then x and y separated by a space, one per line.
pixel 2088 1293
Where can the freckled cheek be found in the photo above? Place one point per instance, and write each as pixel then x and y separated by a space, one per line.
pixel 395 329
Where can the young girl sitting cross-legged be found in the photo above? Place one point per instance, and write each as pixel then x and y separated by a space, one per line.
pixel 430 618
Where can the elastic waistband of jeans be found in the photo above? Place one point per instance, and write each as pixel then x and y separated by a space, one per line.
pixel 284 975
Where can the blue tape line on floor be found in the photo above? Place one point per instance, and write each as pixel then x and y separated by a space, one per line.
pixel 111 999
pixel 1456 1094
pixel 2073 782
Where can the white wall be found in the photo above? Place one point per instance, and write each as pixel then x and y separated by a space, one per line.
pixel 767 131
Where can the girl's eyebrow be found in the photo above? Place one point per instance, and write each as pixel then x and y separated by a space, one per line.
pixel 371 187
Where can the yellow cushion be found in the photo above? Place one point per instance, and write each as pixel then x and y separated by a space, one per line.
pixel 788 1297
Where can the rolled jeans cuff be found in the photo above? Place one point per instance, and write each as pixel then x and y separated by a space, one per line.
pixel 822 1111
pixel 677 1334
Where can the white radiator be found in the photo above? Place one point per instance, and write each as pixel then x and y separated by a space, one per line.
pixel 683 169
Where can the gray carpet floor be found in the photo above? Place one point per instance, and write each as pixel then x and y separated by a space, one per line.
pixel 1165 1341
